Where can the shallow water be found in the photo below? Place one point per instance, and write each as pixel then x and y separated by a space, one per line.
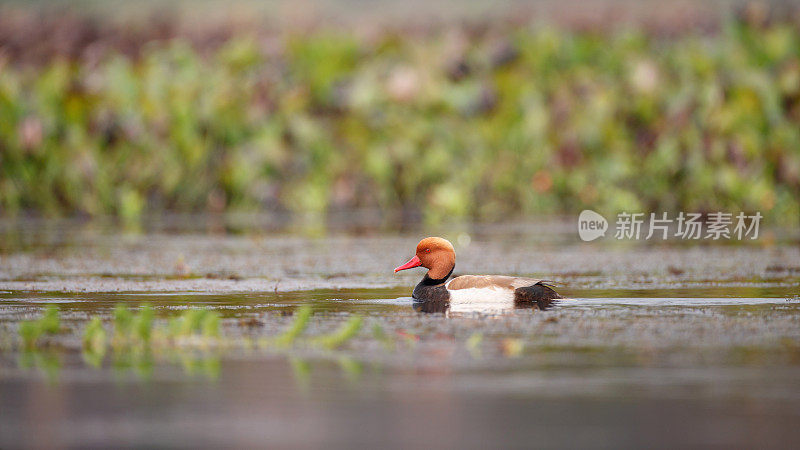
pixel 657 345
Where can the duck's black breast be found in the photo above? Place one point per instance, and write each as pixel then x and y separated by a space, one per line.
pixel 431 290
pixel 435 293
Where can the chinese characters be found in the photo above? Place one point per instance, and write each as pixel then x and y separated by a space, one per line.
pixel 716 226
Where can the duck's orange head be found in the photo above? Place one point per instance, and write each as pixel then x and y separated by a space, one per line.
pixel 435 254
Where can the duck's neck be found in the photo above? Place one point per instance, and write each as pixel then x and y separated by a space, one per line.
pixel 431 278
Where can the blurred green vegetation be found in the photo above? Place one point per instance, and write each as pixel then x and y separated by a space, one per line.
pixel 31 330
pixel 466 122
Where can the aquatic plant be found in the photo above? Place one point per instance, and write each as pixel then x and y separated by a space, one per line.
pixel 347 331
pixel 132 328
pixel 192 321
pixel 94 342
pixel 302 317
pixel 142 323
pixel 137 337
pixel 94 337
pixel 31 330
pixel 50 322
pixel 123 321
pixel 211 325
pixel 201 322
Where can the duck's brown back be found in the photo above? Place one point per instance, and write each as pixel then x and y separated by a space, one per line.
pixel 490 281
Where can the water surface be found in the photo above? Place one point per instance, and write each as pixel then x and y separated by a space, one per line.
pixel 656 345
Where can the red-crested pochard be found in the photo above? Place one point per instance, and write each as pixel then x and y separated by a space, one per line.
pixel 439 257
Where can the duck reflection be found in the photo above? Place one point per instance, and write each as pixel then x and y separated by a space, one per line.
pixel 489 307
pixel 432 306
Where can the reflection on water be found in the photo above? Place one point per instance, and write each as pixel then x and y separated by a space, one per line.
pixel 48 363
pixel 455 309
pixel 338 403
pixel 141 364
pixel 432 306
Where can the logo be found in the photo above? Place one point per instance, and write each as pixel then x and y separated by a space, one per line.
pixel 591 225
pixel 635 226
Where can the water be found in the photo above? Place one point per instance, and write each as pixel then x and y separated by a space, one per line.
pixel 657 345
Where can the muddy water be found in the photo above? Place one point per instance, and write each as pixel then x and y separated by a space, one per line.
pixel 658 345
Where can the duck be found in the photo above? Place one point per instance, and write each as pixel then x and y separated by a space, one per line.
pixel 439 257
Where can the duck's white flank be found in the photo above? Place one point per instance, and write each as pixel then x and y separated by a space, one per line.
pixel 494 294
pixel 481 300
